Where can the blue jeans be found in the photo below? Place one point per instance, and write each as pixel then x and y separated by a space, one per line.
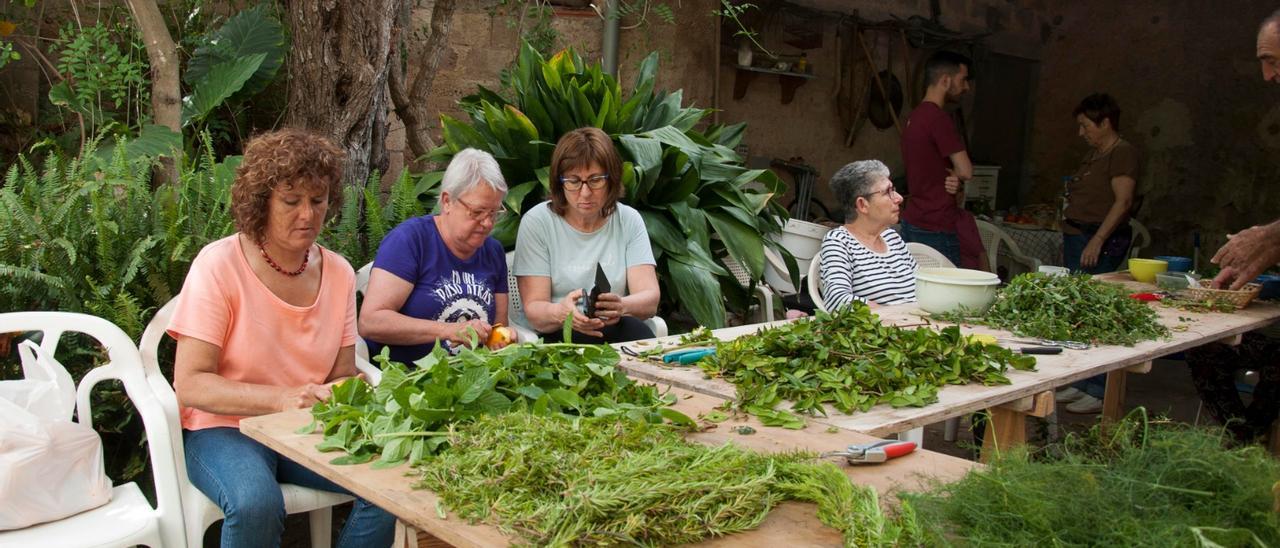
pixel 1073 245
pixel 243 477
pixel 946 243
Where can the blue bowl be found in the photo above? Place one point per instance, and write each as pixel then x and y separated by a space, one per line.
pixel 1270 286
pixel 1176 264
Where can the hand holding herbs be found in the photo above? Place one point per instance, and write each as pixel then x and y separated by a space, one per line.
pixel 849 360
pixel 1077 308
pixel 406 417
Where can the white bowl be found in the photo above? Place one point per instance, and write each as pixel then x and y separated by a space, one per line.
pixel 947 289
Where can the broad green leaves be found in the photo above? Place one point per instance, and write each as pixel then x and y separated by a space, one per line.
pixel 852 362
pixel 407 416
pixel 689 185
pixel 235 62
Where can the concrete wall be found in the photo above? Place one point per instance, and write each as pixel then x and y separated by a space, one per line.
pixel 1192 99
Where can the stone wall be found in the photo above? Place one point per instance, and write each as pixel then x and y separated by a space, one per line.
pixel 1192 100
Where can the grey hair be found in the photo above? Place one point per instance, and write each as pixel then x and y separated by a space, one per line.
pixel 1272 19
pixel 467 169
pixel 856 179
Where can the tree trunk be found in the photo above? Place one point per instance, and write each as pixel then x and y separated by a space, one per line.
pixel 411 100
pixel 338 76
pixel 166 105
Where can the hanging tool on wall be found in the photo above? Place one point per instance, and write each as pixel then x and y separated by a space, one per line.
pixel 881 85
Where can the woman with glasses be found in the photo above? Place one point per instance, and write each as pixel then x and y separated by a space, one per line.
pixel 864 260
pixel 441 278
pixel 583 227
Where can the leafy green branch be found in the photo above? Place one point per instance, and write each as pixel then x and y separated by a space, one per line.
pixel 734 12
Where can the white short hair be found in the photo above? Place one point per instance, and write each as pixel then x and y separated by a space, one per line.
pixel 469 168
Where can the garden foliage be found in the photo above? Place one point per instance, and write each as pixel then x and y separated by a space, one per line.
pixel 699 202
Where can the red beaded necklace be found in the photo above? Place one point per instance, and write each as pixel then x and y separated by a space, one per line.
pixel 270 261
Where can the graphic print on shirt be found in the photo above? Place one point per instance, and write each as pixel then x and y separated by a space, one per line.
pixel 464 298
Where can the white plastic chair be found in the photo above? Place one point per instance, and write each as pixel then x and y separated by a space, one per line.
pixel 363 363
pixel 993 238
pixel 763 292
pixel 198 511
pixel 515 314
pixel 1141 238
pixel 128 519
pixel 928 257
pixel 813 279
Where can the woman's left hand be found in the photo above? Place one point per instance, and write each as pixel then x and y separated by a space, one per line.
pixel 609 308
pixel 1089 257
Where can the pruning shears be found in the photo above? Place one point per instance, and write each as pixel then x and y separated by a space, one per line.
pixel 874 452
pixel 687 356
pixel 1070 345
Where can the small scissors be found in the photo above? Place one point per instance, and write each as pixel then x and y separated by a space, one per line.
pixel 1072 345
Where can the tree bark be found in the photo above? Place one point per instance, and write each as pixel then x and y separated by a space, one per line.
pixel 338 76
pixel 166 103
pixel 411 100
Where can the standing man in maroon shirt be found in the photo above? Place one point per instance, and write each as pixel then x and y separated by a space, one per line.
pixel 935 158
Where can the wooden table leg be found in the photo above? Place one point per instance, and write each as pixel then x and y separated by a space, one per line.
pixel 1006 428
pixel 1113 399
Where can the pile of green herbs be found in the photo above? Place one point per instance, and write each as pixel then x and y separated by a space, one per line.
pixel 1076 308
pixel 1135 484
pixel 851 361
pixel 406 417
pixel 555 481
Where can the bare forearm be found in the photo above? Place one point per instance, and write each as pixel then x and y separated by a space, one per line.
pixel 1118 210
pixel 642 305
pixel 545 316
pixel 214 393
pixel 391 327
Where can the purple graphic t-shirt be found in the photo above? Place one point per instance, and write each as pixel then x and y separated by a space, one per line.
pixel 445 288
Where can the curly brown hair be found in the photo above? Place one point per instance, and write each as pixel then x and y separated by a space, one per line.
pixel 283 157
pixel 581 148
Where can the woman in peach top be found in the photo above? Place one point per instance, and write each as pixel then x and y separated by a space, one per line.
pixel 266 323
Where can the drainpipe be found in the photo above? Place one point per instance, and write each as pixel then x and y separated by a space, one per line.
pixel 611 23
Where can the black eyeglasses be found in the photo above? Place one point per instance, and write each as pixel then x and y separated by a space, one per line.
pixel 594 182
pixel 887 193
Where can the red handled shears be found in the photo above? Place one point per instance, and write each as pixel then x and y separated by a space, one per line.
pixel 875 452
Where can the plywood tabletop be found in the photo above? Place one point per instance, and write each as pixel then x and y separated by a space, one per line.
pixel 793 524
pixel 1189 330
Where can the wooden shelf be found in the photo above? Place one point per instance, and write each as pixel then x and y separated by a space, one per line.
pixel 788 81
pixel 804 75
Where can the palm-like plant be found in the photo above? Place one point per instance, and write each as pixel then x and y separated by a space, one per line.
pixel 699 202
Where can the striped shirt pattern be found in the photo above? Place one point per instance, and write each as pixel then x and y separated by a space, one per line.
pixel 850 271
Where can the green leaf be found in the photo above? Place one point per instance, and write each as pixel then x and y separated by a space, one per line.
pixel 472 384
pixel 250 32
pixel 700 293
pixel 222 81
pixel 743 242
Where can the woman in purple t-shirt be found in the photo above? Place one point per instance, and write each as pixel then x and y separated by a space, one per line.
pixel 439 278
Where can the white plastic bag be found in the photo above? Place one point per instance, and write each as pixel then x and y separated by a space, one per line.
pixel 50 467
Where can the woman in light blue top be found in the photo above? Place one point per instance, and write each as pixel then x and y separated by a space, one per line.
pixel 562 241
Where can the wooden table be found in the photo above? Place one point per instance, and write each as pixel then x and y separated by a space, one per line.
pixel 790 524
pixel 1030 392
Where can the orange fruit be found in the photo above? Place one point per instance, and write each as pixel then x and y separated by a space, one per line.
pixel 499 337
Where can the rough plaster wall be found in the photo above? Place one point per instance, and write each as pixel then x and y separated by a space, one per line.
pixel 1192 100
pixel 481 45
pixel 809 126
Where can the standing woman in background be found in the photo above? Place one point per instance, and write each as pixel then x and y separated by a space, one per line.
pixel 1095 229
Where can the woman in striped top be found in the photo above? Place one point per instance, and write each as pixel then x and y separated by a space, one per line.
pixel 864 260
